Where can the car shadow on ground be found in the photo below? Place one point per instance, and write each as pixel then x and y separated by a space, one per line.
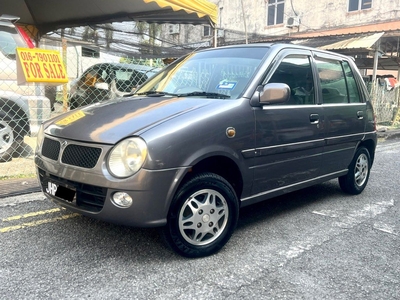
pixel 133 245
pixel 262 211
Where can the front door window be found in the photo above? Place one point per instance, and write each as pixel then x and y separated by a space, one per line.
pixel 295 71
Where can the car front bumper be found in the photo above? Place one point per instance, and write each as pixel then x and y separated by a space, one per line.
pixel 89 192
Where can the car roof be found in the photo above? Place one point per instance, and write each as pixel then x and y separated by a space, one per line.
pixel 276 47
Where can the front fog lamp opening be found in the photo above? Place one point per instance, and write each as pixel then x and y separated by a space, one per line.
pixel 121 199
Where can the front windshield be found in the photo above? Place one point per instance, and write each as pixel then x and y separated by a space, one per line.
pixel 225 72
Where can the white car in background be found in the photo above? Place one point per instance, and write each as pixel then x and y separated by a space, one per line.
pixel 18 104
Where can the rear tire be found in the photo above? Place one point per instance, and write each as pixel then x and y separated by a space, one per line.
pixel 202 217
pixel 355 181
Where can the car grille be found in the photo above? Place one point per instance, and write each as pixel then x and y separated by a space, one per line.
pixel 75 155
pixel 81 156
pixel 51 149
pixel 88 197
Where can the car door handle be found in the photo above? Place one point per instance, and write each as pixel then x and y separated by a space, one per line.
pixel 360 114
pixel 314 118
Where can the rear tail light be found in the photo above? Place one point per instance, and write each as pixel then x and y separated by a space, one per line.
pixel 26 37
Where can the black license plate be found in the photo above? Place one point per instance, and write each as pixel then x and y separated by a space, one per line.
pixel 60 191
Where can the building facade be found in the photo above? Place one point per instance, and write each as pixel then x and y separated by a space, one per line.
pixel 367 30
pixel 314 23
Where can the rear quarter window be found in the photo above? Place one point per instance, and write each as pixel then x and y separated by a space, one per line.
pixel 354 94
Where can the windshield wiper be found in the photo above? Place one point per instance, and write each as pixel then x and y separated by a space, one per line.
pixel 156 94
pixel 191 94
pixel 206 94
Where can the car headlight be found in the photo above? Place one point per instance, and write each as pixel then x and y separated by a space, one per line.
pixel 127 157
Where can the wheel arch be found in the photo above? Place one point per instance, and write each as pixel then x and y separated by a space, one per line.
pixel 218 164
pixel 370 145
pixel 224 167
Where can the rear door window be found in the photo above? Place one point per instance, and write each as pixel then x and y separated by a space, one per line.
pixel 337 81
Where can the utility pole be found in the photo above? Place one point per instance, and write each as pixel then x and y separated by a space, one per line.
pixel 244 22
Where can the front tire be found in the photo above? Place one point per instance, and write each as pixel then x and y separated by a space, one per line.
pixel 202 217
pixel 355 181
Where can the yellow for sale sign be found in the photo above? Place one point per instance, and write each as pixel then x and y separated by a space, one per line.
pixel 71 118
pixel 39 65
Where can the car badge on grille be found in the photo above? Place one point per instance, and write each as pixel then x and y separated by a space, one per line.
pixel 64 144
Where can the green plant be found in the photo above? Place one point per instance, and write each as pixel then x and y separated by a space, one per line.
pixel 19 176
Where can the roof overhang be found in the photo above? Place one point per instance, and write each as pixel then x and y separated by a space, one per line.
pixel 47 16
pixel 361 43
pixel 384 63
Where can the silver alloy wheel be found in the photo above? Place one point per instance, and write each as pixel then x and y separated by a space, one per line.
pixel 361 169
pixel 203 217
pixel 6 136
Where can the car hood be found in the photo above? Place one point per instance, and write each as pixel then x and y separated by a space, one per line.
pixel 110 121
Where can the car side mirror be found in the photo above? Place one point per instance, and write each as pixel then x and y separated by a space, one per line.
pixel 273 93
pixel 101 85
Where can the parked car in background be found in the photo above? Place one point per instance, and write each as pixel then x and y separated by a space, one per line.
pixel 14 107
pixel 106 81
pixel 214 131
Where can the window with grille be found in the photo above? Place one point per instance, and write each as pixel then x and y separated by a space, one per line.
pixel 355 5
pixel 206 30
pixel 275 12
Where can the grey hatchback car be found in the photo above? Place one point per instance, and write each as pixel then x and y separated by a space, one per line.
pixel 215 131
